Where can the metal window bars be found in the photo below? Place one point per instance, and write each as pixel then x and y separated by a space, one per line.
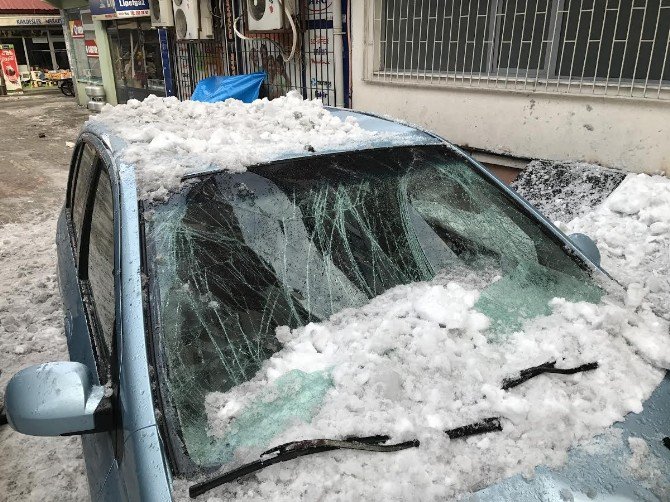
pixel 601 47
pixel 310 71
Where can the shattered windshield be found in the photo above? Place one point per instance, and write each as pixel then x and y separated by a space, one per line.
pixel 237 255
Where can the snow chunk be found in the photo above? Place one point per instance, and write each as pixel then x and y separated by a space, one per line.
pixel 168 139
pixel 631 231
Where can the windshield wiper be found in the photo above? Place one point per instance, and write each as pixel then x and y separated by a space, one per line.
pixel 528 373
pixel 295 449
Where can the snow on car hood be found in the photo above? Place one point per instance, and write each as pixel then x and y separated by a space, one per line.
pixel 167 139
pixel 418 360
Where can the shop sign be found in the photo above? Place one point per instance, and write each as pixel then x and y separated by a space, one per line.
pixel 131 8
pixel 76 29
pixel 29 20
pixel 102 9
pixel 91 48
pixel 10 69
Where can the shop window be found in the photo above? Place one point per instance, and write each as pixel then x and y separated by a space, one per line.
pixel 87 61
pixel 136 59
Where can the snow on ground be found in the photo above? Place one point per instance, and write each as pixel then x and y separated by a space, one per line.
pixel 168 139
pixel 31 331
pixel 632 231
pixel 406 367
pixel 34 173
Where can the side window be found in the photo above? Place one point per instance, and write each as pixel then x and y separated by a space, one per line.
pixel 97 264
pixel 81 183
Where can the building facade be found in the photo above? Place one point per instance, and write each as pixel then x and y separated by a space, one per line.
pixel 552 79
pixel 509 80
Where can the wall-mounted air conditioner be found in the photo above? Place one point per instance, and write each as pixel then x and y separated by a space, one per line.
pixel 265 15
pixel 161 13
pixel 193 19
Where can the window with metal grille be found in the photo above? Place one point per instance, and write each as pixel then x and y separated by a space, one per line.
pixel 597 44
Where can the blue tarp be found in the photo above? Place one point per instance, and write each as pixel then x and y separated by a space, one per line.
pixel 219 88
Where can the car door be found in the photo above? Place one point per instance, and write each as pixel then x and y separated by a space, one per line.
pixel 87 278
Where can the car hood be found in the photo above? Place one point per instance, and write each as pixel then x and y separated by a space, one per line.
pixel 629 462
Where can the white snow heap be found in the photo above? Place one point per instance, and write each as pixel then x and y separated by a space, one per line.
pixel 416 361
pixel 632 231
pixel 168 139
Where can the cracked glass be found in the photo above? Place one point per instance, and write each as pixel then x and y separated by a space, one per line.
pixel 236 255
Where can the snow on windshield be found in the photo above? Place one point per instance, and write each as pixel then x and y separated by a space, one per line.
pixel 168 139
pixel 417 360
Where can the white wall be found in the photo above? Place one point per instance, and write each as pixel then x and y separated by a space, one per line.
pixel 632 134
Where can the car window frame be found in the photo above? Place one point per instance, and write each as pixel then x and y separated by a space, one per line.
pixel 107 366
pixel 105 354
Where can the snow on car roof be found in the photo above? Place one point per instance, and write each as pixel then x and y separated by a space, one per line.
pixel 166 139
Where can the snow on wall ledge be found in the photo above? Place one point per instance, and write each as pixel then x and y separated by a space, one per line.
pixel 168 139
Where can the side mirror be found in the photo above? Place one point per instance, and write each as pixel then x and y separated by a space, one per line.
pixel 586 245
pixel 56 399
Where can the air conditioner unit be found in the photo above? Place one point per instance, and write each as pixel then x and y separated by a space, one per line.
pixel 265 15
pixel 193 19
pixel 161 13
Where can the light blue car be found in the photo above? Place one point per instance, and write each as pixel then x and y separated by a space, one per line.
pixel 169 301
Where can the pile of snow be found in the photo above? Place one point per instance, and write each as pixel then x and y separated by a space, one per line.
pixel 168 139
pixel 632 231
pixel 564 190
pixel 416 361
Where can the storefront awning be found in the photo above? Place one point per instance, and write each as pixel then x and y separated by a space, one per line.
pixel 25 7
pixel 51 4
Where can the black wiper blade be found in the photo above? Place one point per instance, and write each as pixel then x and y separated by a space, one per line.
pixel 295 449
pixel 549 367
pixel 481 427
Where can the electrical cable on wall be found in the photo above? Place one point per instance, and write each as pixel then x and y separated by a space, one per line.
pixel 289 16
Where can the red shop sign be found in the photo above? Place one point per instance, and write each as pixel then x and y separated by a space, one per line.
pixel 91 48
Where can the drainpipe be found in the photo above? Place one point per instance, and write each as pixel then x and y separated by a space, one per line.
pixel 337 52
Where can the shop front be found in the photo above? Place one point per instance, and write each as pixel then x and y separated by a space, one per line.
pixel 84 54
pixel 136 58
pixel 31 37
pixel 114 48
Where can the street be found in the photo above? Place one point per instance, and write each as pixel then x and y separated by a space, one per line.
pixel 34 172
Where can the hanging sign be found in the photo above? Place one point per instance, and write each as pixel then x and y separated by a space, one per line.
pixel 91 48
pixel 102 9
pixel 10 69
pixel 76 29
pixel 131 8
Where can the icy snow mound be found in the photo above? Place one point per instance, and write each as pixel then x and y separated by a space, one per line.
pixel 416 361
pixel 564 190
pixel 168 139
pixel 632 231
